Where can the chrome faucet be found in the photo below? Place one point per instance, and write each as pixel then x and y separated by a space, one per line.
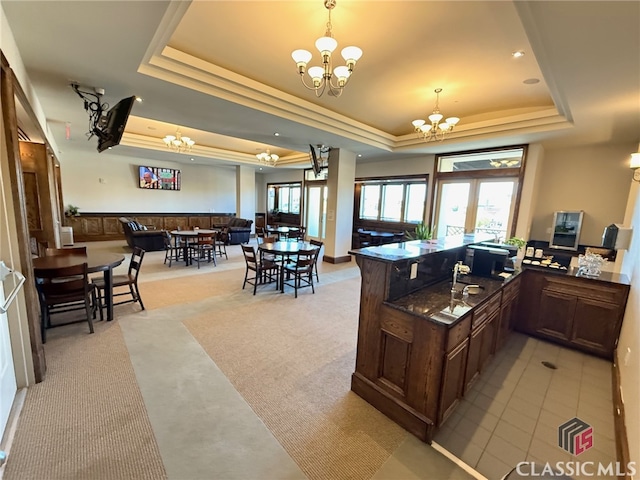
pixel 458 268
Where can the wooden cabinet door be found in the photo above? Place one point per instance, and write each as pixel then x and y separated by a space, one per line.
pixel 595 325
pixel 473 358
pixel 453 380
pixel 488 345
pixel 555 316
pixel 507 312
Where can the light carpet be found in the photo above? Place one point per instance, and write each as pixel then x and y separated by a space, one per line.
pixel 292 360
pixel 87 420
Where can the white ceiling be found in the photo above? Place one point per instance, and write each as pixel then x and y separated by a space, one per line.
pixel 222 72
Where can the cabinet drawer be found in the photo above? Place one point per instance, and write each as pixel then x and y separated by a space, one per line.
pixel 511 289
pixel 458 333
pixel 396 323
pixel 484 311
pixel 586 289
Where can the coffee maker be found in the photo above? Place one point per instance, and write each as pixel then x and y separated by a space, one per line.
pixel 486 261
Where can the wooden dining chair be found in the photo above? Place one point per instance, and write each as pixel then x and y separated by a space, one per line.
pixel 173 249
pixel 220 245
pixel 364 239
pixel 269 256
pixel 264 270
pixel 130 280
pixel 203 248
pixel 71 291
pixel 319 244
pixel 261 232
pixel 299 273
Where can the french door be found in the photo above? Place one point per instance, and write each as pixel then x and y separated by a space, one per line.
pixel 476 206
pixel 315 209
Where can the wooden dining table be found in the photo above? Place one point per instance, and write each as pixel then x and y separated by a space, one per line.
pixel 281 231
pixel 190 235
pixel 96 262
pixel 285 250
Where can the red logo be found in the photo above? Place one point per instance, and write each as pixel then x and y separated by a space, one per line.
pixel 575 436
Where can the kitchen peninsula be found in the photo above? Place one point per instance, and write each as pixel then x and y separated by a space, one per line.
pixel 421 346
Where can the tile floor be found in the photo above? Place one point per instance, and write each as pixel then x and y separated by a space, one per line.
pixel 513 411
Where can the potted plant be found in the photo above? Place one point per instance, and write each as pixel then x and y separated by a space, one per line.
pixel 421 232
pixel 517 242
pixel 520 243
pixel 72 211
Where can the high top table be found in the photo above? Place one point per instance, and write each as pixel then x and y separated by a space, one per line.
pixel 285 250
pixel 190 235
pixel 96 262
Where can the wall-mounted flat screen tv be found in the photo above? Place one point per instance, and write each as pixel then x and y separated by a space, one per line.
pixel 157 178
pixel 116 119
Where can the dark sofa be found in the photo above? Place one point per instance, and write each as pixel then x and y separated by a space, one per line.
pixel 237 231
pixel 139 236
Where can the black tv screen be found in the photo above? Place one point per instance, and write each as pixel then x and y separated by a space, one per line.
pixel 315 162
pixel 111 134
pixel 156 178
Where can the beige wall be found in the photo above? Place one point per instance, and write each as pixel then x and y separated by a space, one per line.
pixel 204 189
pixel 629 342
pixel 593 179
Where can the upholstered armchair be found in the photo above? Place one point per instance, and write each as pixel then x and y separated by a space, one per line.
pixel 237 231
pixel 138 235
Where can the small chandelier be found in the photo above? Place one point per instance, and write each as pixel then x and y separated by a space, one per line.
pixel 322 76
pixel 436 130
pixel 178 143
pixel 268 158
pixel 505 162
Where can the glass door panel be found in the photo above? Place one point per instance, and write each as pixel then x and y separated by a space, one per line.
pixel 494 210
pixel 453 203
pixel 316 204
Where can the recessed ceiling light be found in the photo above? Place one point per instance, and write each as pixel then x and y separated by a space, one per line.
pixel 277 134
pixel 139 99
pixel 518 54
pixel 531 81
pixel 192 159
pixel 359 155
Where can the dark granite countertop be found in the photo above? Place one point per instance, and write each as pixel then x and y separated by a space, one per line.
pixel 417 248
pixel 607 277
pixel 437 304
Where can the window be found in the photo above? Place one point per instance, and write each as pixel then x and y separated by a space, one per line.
pixel 478 192
pixel 392 200
pixel 284 197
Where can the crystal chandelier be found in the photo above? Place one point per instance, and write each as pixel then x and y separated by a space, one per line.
pixel 268 158
pixel 436 130
pixel 178 143
pixel 322 77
